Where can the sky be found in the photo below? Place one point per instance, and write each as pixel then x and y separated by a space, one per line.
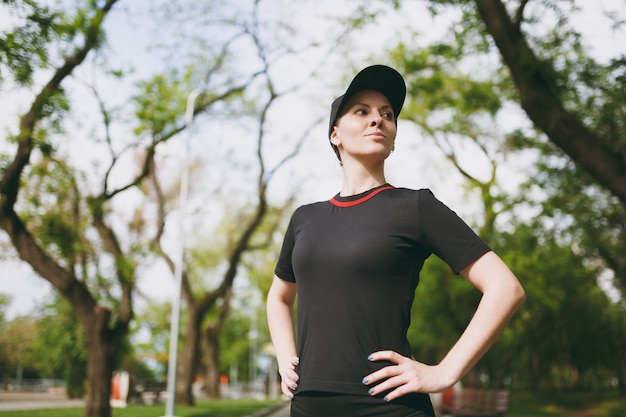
pixel 131 39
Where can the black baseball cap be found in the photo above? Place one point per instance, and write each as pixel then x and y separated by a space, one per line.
pixel 381 78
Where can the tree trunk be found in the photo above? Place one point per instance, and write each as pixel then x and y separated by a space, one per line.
pixel 98 383
pixel 188 359
pixel 211 349
pixel 102 348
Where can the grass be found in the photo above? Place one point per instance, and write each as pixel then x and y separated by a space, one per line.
pixel 205 408
pixel 567 404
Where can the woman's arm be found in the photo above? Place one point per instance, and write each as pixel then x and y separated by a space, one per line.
pixel 280 300
pixel 502 295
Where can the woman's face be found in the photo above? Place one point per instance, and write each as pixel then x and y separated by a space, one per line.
pixel 366 127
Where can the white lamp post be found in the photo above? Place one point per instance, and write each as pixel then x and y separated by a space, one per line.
pixel 180 265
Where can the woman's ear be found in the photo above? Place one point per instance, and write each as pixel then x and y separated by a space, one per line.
pixel 334 137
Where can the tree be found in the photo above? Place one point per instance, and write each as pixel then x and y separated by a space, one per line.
pixel 61 219
pixel 546 89
pixel 16 341
pixel 576 210
pixel 207 301
pixel 601 152
pixel 80 34
pixel 457 111
pixel 453 105
pixel 201 301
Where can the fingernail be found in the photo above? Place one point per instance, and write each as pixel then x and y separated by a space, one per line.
pixel 291 396
pixel 365 381
pixel 385 399
pixel 370 357
pixel 296 361
pixel 371 391
pixel 295 379
pixel 293 386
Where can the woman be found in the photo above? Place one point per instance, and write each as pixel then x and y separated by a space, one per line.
pixel 354 263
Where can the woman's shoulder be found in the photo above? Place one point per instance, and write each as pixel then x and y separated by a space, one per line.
pixel 308 208
pixel 416 194
pixel 413 191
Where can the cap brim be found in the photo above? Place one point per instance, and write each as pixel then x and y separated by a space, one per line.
pixel 381 78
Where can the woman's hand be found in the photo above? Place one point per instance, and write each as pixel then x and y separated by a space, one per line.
pixel 502 295
pixel 280 300
pixel 289 377
pixel 405 376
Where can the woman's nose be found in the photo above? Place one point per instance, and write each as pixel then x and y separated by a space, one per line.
pixel 375 120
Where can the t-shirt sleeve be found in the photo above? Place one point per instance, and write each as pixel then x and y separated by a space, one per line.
pixel 284 267
pixel 446 234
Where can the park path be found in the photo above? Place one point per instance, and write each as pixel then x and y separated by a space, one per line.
pixel 14 401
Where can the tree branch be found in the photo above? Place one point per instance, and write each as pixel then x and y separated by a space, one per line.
pixel 22 240
pixel 519 15
pixel 9 184
pixel 544 107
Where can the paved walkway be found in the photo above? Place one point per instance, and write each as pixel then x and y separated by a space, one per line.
pixel 13 401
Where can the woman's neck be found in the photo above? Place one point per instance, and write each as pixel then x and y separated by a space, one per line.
pixel 358 178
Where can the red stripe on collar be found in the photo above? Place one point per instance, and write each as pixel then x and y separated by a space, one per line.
pixel 338 203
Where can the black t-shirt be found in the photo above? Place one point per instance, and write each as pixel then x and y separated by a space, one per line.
pixel 356 261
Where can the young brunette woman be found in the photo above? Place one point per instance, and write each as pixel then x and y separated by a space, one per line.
pixel 354 262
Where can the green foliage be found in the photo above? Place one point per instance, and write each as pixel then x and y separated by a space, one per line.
pixel 444 304
pixel 60 345
pixel 580 211
pixel 51 115
pixel 567 333
pixel 152 324
pixel 5 301
pixel 24 47
pixel 5 364
pixel 160 104
pixel 436 84
pixel 16 355
pixel 51 208
pixel 594 91
pixel 236 344
pixel 566 319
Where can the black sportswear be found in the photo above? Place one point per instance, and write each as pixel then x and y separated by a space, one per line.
pixel 356 261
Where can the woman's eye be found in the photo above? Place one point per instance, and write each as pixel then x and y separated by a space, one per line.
pixel 361 111
pixel 388 115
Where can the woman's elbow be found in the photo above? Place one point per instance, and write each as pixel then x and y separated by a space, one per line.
pixel 518 294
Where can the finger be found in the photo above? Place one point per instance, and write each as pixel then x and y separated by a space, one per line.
pixel 286 391
pixel 397 393
pixel 290 379
pixel 388 384
pixel 291 376
pixel 381 374
pixel 386 355
pixel 289 373
pixel 289 386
